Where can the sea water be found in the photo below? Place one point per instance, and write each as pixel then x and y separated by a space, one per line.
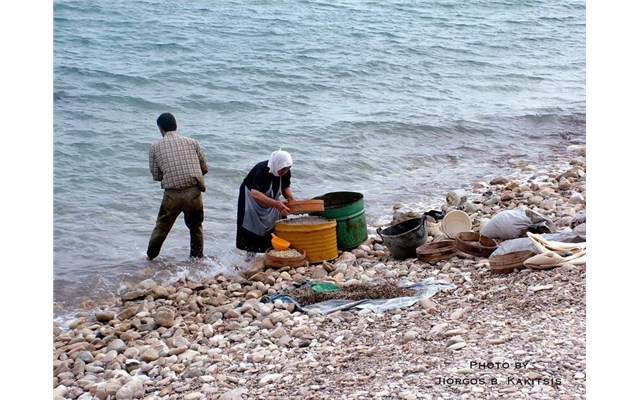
pixel 402 101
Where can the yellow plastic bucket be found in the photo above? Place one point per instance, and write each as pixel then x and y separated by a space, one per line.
pixel 313 234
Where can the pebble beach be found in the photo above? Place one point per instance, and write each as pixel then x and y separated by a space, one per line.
pixel 520 335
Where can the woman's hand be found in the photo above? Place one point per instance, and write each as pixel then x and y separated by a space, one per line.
pixel 282 207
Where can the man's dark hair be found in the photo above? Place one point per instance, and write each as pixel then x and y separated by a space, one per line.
pixel 167 122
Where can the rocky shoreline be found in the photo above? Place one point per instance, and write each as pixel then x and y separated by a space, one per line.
pixel 520 335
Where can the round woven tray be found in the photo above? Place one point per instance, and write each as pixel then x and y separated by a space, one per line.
pixel 508 262
pixel 436 251
pixel 281 262
pixel 474 244
pixel 305 206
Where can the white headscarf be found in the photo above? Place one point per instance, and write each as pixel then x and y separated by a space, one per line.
pixel 279 159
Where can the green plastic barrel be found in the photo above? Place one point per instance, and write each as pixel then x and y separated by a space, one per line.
pixel 347 208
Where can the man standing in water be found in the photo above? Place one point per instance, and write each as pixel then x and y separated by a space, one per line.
pixel 180 165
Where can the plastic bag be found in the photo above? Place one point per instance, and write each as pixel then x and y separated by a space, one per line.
pixel 510 224
pixel 518 244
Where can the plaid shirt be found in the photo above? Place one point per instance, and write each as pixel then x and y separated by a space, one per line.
pixel 177 162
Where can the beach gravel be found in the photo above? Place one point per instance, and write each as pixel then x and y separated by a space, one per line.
pixel 520 335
